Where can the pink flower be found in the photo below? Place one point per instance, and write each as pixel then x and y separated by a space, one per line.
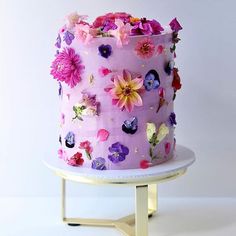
pixel 103 71
pixel 175 25
pixel 84 33
pixel 62 154
pixel 167 148
pixel 86 145
pixel 125 91
pixel 74 18
pixel 121 33
pixel 102 135
pixel 67 67
pixel 101 20
pixel 160 49
pixel 144 164
pixel 145 48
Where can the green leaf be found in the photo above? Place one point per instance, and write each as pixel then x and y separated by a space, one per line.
pixel 88 155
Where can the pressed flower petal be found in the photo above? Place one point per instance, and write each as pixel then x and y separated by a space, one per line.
pixel 102 135
pixel 150 130
pixel 162 132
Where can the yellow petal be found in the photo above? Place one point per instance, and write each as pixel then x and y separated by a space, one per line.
pixel 136 99
pixel 129 105
pixel 136 83
pixel 162 132
pixel 122 101
pixel 150 130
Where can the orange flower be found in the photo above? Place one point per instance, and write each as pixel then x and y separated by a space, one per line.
pixel 125 91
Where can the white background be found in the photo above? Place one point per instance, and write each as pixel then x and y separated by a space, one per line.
pixel 205 107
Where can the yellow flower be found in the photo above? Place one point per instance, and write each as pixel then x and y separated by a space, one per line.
pixel 125 91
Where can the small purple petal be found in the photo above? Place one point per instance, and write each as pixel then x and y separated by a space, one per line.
pixel 68 37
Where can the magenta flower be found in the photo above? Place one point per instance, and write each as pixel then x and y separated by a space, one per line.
pixel 67 67
pixel 175 25
pixel 145 48
pixel 146 27
pixel 101 20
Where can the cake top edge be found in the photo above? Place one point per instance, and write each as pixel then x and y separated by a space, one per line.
pixel 119 25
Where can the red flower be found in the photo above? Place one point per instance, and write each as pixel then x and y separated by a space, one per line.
pixel 176 84
pixel 76 160
pixel 144 164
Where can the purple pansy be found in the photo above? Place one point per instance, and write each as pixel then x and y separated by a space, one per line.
pixel 58 41
pixel 68 37
pixel 105 50
pixel 169 67
pixel 130 126
pixel 151 80
pixel 172 119
pixel 99 164
pixel 118 152
pixel 175 25
pixel 70 140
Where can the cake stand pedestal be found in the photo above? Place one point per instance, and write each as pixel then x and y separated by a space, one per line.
pixel 144 181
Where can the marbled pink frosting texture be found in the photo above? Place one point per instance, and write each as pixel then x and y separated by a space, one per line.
pixel 110 116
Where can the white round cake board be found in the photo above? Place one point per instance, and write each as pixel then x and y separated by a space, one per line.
pixel 183 158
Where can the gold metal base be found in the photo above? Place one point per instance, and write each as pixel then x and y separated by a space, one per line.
pixel 145 206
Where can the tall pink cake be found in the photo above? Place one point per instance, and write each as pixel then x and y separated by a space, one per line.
pixel 117 84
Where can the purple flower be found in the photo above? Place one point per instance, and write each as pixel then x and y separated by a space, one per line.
pixel 175 25
pixel 58 41
pixel 118 152
pixel 105 50
pixel 151 80
pixel 60 89
pixel 169 67
pixel 68 37
pixel 146 27
pixel 172 119
pixel 109 25
pixel 99 164
pixel 70 140
pixel 130 126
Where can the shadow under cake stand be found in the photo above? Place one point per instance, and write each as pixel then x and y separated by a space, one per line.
pixel 144 180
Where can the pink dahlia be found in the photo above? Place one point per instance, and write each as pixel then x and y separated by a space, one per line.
pixel 126 90
pixel 145 48
pixel 67 67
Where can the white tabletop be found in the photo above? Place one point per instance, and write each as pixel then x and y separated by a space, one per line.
pixel 183 158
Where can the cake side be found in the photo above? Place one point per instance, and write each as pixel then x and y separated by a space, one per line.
pixel 117 105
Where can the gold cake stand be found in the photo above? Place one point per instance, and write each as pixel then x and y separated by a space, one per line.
pixel 144 181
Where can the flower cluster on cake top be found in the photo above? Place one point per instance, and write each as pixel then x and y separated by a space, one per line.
pixel 120 25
